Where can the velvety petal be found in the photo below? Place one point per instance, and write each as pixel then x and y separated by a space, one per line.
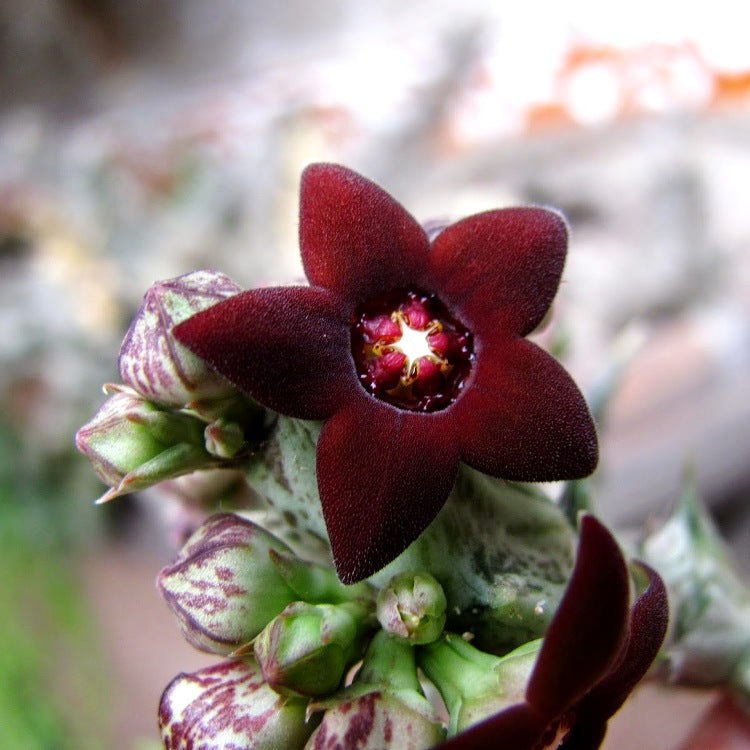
pixel 586 635
pixel 515 728
pixel 288 347
pixel 648 626
pixel 501 268
pixel 355 238
pixel 521 416
pixel 383 474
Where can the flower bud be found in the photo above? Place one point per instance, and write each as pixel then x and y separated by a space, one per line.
pixel 224 439
pixel 153 362
pixel 224 587
pixel 307 649
pixel 412 606
pixel 384 707
pixel 132 443
pixel 229 705
pixel 474 684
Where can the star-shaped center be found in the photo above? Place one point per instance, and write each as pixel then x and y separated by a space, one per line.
pixel 410 352
pixel 414 344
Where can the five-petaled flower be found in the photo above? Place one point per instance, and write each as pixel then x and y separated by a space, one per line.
pixel 413 352
pixel 594 653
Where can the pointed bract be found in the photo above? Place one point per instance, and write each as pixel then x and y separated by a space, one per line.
pixel 133 443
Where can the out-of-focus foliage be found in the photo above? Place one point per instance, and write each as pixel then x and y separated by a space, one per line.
pixel 52 679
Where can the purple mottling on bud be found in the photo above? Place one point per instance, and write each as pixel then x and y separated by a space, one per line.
pixel 228 705
pixel 223 587
pixel 372 722
pixel 153 362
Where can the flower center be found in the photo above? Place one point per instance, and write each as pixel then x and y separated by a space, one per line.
pixel 410 352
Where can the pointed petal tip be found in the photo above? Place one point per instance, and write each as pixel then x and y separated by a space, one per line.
pixel 588 631
pixel 501 268
pixel 354 562
pixel 649 620
pixel 523 418
pixel 383 476
pixel 355 238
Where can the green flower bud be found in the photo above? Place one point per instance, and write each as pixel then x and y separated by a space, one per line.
pixel 224 439
pixel 133 443
pixel 153 362
pixel 229 705
pixel 412 606
pixel 224 587
pixel 307 649
pixel 475 685
pixel 384 706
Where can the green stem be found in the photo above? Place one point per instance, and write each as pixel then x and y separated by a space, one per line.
pixel 460 671
pixel 390 661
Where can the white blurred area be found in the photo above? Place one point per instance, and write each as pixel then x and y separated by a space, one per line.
pixel 141 140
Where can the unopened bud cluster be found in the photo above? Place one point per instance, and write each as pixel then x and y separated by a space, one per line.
pixel 294 635
pixel 172 414
pixel 310 660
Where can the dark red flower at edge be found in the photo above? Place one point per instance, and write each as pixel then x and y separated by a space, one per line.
pixel 414 354
pixel 595 651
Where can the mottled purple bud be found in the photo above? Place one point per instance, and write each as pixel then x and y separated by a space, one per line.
pixel 412 606
pixel 153 362
pixel 228 705
pixel 383 708
pixel 308 648
pixel 224 587
pixel 133 443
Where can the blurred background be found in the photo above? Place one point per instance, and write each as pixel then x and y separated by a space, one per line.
pixel 146 139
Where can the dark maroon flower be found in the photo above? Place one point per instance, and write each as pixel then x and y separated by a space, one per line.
pixel 594 653
pixel 413 352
